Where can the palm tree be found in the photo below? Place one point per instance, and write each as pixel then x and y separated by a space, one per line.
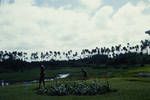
pixel 14 54
pixel 118 48
pixel 67 56
pixel 137 48
pixel 145 45
pixel 1 56
pixel 148 32
pixel 75 55
pixel 83 53
pixel 102 51
pixel 55 55
pixel 125 49
pixel 59 54
pixel 113 51
pixel 107 51
pixel 25 56
pixel 128 47
pixel 20 54
pixel 34 56
pixel 97 50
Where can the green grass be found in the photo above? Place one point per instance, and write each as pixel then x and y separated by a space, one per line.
pixel 127 90
pixel 75 73
pixel 26 75
pixel 134 71
pixel 128 86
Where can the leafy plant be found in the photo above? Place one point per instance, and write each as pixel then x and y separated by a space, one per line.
pixel 93 87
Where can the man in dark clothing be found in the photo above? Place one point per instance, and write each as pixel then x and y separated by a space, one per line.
pixel 42 76
pixel 84 73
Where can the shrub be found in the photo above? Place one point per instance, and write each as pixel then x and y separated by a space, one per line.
pixel 93 87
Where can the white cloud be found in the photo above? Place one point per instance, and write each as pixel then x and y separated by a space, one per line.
pixel 130 22
pixel 33 27
pixel 91 4
pixel 102 16
pixel 24 2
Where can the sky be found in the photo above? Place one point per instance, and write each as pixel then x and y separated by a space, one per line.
pixel 72 24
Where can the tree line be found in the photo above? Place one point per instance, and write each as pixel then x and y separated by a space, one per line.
pixel 114 55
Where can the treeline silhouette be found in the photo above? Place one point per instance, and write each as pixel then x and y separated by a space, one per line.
pixel 105 56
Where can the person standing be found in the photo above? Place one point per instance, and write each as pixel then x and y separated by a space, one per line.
pixel 84 74
pixel 42 76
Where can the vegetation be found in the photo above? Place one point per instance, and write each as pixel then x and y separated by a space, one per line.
pixel 128 86
pixel 75 72
pixel 123 68
pixel 17 61
pixel 75 88
pixel 114 55
pixel 127 90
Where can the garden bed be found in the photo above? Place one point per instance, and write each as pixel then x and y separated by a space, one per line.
pixel 92 87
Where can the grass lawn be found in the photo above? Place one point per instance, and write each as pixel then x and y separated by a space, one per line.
pixel 129 87
pixel 75 73
pixel 127 90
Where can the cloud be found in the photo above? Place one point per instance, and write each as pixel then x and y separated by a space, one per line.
pixel 102 16
pixel 23 2
pixel 130 21
pixel 91 4
pixel 26 26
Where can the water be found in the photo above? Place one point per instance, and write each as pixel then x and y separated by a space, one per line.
pixel 28 83
pixel 3 83
pixel 141 74
pixel 61 76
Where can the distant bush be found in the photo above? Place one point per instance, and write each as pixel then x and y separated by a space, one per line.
pixel 75 88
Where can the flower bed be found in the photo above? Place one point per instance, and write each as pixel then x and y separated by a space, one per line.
pixel 93 87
